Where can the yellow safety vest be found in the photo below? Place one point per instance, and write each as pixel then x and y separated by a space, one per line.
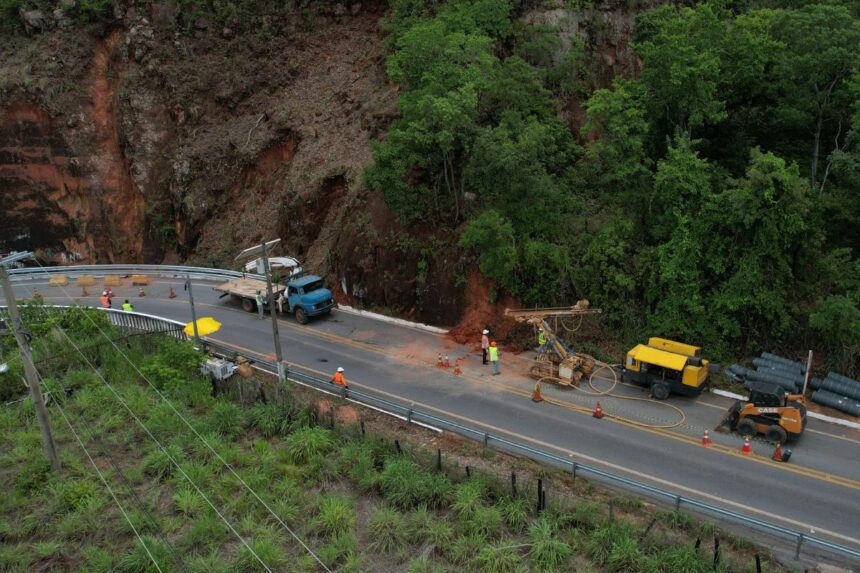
pixel 494 354
pixel 127 307
pixel 541 338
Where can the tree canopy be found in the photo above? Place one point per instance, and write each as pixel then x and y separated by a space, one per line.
pixel 713 198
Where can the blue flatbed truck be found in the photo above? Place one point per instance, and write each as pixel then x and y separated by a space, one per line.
pixel 304 296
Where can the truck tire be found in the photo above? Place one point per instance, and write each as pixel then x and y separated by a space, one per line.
pixel 248 305
pixel 776 434
pixel 301 316
pixel 659 391
pixel 747 428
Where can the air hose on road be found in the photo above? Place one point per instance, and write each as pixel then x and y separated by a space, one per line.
pixel 608 392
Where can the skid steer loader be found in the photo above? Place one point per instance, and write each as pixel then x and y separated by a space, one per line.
pixel 768 410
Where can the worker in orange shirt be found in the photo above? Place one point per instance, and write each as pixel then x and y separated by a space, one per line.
pixel 104 299
pixel 338 378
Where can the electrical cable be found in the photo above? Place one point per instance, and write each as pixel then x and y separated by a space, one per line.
pixel 59 394
pixel 202 439
pixel 608 392
pixel 107 486
pixel 164 450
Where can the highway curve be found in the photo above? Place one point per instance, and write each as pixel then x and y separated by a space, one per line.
pixel 818 491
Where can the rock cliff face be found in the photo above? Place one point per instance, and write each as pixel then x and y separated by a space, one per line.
pixel 157 141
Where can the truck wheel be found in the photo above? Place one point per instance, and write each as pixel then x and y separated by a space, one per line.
pixel 776 434
pixel 301 316
pixel 247 305
pixel 659 391
pixel 747 428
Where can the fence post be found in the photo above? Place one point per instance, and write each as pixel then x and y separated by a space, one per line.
pixel 677 503
pixel 513 484
pixel 409 415
pixel 539 493
pixel 486 439
pixel 438 459
pixel 716 551
pixel 797 549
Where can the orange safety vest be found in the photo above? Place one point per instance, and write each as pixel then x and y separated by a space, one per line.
pixel 105 301
pixel 338 379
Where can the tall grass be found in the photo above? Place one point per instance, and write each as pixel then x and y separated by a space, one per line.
pixel 336 515
pixel 386 530
pixel 305 443
pixel 226 419
pixel 137 559
pixel 548 551
pixel 269 552
pixel 500 557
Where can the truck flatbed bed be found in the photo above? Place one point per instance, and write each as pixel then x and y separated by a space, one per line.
pixel 247 288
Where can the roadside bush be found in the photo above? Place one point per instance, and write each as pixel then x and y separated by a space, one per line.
pixel 226 419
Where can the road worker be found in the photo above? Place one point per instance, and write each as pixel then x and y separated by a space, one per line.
pixel 126 306
pixel 104 299
pixel 338 378
pixel 541 338
pixel 494 357
pixel 259 299
pixel 485 344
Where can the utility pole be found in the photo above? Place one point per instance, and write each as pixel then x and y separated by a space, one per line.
pixel 275 334
pixel 29 368
pixel 193 312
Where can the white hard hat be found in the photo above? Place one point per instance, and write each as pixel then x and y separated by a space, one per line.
pixel 486 331
pixel 340 369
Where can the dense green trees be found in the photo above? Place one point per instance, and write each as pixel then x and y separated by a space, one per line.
pixel 714 198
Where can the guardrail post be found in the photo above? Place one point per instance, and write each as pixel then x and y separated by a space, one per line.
pixel 409 415
pixel 573 471
pixel 797 549
pixel 677 503
pixel 486 439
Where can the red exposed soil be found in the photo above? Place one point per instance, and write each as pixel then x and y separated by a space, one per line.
pixel 125 207
pixel 479 312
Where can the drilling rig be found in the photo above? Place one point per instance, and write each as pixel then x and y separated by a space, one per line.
pixel 557 362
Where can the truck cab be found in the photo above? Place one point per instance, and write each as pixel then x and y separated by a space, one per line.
pixel 307 297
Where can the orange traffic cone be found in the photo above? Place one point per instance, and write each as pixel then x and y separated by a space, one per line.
pixel 171 293
pixel 457 370
pixel 706 439
pixel 777 453
pixel 598 411
pixel 84 291
pixel 446 363
pixel 746 449
pixel 536 396
pixel 439 363
pixel 140 292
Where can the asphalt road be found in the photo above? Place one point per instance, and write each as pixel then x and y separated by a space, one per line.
pixel 817 492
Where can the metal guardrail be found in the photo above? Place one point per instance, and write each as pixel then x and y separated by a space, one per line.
pixel 128 269
pixel 151 323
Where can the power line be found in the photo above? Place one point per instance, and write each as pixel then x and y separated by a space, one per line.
pixel 163 449
pixel 104 481
pixel 196 433
pixel 57 394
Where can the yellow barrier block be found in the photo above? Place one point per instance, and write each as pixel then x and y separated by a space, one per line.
pixel 111 280
pixel 58 280
pixel 86 280
pixel 139 280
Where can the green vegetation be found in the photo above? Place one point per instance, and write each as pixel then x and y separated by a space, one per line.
pixel 357 502
pixel 711 199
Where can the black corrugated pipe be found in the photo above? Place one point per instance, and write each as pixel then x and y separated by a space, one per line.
pixel 841 388
pixel 782 359
pixel 841 403
pixel 762 363
pixel 836 376
pixel 787 383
